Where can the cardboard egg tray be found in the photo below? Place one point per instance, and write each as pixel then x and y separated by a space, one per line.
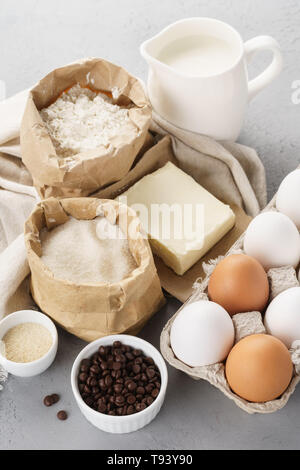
pixel 245 324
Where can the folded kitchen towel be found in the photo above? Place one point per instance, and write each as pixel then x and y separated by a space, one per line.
pixel 231 171
pixel 11 112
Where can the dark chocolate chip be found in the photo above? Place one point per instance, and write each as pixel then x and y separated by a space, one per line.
pixel 62 415
pixel 48 400
pixel 131 399
pixel 131 386
pixel 120 400
pixel 136 368
pixel 140 406
pixel 150 372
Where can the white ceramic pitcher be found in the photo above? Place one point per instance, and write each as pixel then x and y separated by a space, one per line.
pixel 212 105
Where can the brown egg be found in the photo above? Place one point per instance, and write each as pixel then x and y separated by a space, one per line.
pixel 259 368
pixel 239 284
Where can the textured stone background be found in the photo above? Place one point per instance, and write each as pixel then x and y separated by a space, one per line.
pixel 37 36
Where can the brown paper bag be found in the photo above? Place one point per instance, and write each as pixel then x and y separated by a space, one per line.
pixel 91 311
pixel 86 172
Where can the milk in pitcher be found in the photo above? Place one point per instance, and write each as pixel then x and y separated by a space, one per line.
pixel 200 55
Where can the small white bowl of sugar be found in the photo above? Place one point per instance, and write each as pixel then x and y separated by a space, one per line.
pixel 28 343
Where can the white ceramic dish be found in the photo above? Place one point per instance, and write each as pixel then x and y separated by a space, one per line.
pixel 29 369
pixel 120 424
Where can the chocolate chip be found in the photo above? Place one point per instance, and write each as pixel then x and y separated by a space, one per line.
pixel 150 372
pixel 118 388
pixel 108 381
pixel 87 389
pixel 149 400
pixel 136 352
pixel 131 386
pixel 103 365
pixel 62 415
pixel 140 406
pixel 55 397
pixel 95 369
pixel 83 377
pixel 89 401
pixel 91 381
pixel 131 399
pixel 119 400
pixel 136 368
pixel 120 358
pixel 102 407
pixel 102 384
pixel 48 400
pixel 85 365
pixel 149 360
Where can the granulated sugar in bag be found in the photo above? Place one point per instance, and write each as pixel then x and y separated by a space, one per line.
pixel 84 251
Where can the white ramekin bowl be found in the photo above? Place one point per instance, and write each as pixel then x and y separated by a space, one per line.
pixel 120 424
pixel 28 369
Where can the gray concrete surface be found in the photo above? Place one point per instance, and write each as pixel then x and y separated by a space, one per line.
pixel 37 36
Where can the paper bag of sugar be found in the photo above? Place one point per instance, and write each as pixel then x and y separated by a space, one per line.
pixel 82 128
pixel 95 283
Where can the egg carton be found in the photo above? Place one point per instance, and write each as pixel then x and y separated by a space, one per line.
pixel 245 324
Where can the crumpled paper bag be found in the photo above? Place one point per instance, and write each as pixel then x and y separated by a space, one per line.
pixel 85 172
pixel 92 310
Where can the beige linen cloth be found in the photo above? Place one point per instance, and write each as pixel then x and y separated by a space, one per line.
pixel 231 171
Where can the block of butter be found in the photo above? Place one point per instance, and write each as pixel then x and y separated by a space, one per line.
pixel 182 219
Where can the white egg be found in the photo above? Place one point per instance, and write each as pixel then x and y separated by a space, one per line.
pixel 273 239
pixel 282 318
pixel 288 197
pixel 202 334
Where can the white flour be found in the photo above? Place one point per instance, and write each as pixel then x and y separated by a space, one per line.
pixel 87 251
pixel 81 120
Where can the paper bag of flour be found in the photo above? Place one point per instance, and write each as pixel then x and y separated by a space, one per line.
pixel 81 174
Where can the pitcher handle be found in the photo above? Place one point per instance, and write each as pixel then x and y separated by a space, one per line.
pixel 263 43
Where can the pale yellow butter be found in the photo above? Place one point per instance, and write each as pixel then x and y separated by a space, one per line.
pixel 171 188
